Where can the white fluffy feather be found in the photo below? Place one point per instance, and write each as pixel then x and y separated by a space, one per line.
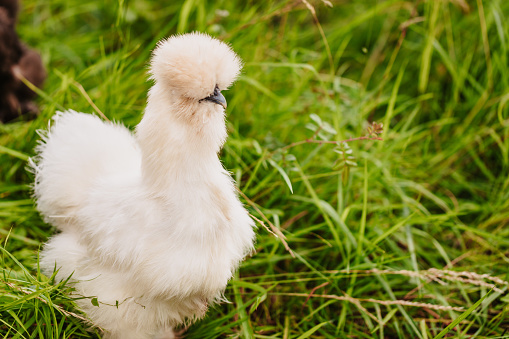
pixel 152 220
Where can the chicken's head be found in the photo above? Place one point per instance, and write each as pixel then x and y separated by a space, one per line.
pixel 194 68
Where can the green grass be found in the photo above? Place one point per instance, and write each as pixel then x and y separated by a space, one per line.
pixel 434 194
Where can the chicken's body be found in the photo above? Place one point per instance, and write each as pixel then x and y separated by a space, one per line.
pixel 150 223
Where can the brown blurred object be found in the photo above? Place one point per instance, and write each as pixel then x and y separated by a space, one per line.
pixel 17 61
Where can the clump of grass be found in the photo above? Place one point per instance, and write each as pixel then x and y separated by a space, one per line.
pixel 404 237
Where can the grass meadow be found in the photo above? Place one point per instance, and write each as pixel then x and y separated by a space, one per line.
pixel 404 237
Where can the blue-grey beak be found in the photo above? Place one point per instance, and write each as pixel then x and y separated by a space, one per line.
pixel 216 97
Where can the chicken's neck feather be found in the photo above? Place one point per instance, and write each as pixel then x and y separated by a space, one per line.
pixel 179 140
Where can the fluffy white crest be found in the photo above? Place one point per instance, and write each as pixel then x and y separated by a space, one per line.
pixel 192 64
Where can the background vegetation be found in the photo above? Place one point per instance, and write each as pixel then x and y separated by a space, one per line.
pixel 408 238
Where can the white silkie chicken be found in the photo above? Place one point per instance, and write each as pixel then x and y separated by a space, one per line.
pixel 150 224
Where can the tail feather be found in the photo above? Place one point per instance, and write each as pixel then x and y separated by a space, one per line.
pixel 76 152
